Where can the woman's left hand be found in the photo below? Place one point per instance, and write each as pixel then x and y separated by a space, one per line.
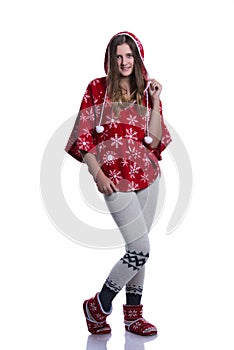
pixel 155 89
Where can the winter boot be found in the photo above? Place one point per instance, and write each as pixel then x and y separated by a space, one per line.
pixel 135 323
pixel 96 316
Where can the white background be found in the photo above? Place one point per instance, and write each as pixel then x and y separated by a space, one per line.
pixel 50 50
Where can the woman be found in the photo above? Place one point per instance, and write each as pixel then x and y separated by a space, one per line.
pixel 120 134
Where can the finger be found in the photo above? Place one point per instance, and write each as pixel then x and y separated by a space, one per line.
pixel 114 187
pixel 100 190
pixel 154 86
pixel 103 189
pixel 109 191
pixel 154 82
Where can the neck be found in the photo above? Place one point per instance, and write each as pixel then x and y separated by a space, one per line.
pixel 125 85
pixel 125 81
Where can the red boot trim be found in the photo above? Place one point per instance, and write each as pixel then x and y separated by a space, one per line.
pixel 135 323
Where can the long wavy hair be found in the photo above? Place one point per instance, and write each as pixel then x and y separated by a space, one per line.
pixel 137 78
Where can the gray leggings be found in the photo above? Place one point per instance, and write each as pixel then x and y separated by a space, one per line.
pixel 133 213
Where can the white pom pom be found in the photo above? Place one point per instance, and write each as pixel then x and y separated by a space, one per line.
pixel 99 129
pixel 148 139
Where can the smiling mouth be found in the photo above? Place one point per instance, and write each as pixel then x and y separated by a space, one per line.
pixel 125 68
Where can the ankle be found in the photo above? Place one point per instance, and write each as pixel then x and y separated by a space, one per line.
pixel 105 306
pixel 133 299
pixel 106 296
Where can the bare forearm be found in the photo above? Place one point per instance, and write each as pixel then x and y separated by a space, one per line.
pixel 104 184
pixel 155 127
pixel 91 162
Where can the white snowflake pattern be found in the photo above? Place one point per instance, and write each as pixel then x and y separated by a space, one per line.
pixel 124 162
pixel 131 135
pixel 109 157
pixel 115 176
pixel 86 132
pixel 95 82
pixel 83 143
pixel 116 141
pixel 105 133
pixel 132 120
pixel 101 146
pixel 145 177
pixel 87 114
pixel 146 161
pixel 132 186
pixel 143 125
pixel 112 122
pixel 166 139
pixel 90 114
pixel 83 117
pixel 137 325
pixel 132 313
pixel 145 117
pixel 133 153
pixel 134 169
pixel 86 96
pixel 93 306
pixel 97 110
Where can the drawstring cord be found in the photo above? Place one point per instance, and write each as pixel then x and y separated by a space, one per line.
pixel 100 128
pixel 148 139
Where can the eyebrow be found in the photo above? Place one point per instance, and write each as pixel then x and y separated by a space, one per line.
pixel 128 53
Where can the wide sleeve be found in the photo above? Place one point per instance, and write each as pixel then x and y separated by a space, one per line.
pixel 81 138
pixel 165 138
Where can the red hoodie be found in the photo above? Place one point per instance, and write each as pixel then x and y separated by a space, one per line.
pixel 120 149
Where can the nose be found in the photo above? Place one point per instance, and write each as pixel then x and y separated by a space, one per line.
pixel 124 61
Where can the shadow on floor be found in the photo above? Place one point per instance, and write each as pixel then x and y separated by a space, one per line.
pixel 132 341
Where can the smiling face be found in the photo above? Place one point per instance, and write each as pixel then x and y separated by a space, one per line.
pixel 125 60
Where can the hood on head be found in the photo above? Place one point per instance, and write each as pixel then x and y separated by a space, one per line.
pixel 138 44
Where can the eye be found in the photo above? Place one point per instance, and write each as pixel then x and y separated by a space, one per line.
pixel 118 57
pixel 129 55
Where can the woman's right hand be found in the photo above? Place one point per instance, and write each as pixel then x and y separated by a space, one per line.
pixel 104 184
